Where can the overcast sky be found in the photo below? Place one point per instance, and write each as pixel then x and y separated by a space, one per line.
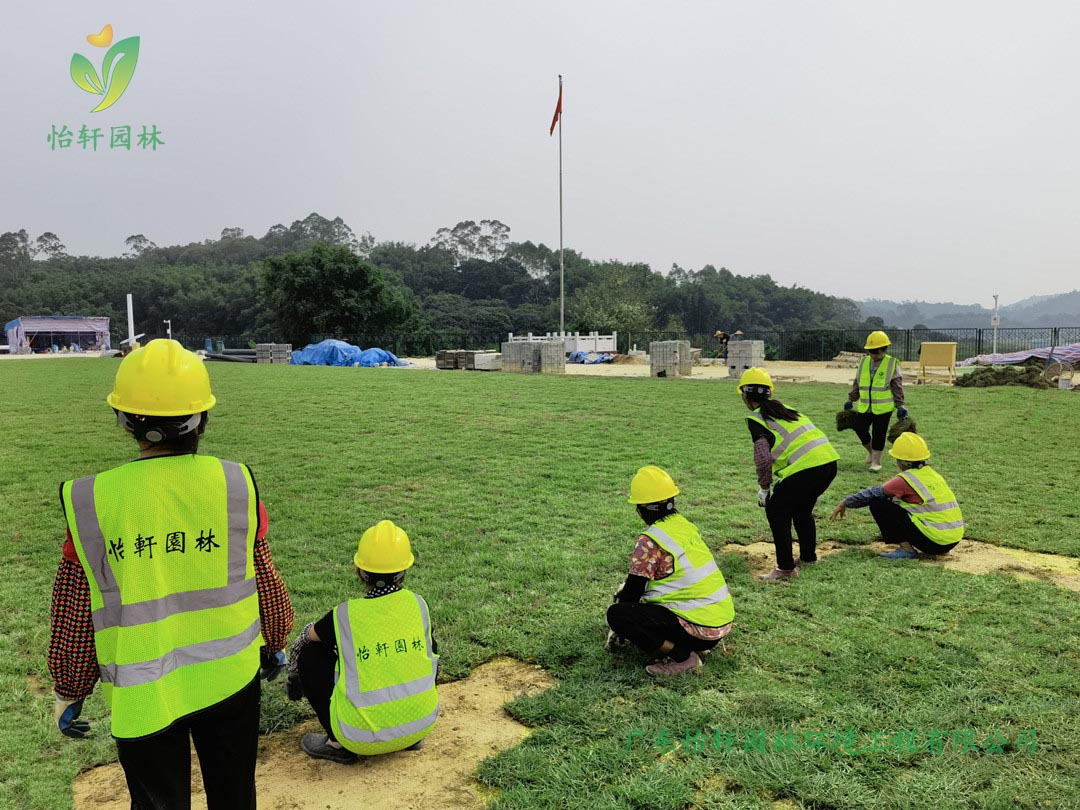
pixel 926 149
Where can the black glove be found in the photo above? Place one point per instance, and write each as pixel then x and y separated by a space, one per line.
pixel 849 405
pixel 67 719
pixel 294 690
pixel 272 664
pixel 901 412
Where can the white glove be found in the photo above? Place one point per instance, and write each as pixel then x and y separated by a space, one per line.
pixel 762 497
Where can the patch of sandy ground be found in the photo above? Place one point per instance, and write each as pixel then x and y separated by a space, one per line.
pixel 971 556
pixel 781 372
pixel 471 727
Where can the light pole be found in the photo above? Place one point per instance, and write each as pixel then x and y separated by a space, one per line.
pixel 168 326
pixel 995 320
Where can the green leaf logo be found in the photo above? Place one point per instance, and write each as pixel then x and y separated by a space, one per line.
pixel 116 72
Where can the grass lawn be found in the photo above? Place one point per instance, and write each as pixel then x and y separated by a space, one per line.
pixel 513 490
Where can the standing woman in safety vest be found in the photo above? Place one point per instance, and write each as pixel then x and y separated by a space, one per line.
pixel 167 592
pixel 674 604
pixel 878 390
pixel 368 666
pixel 916 509
pixel 798 455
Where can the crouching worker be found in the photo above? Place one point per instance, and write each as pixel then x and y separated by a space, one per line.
pixel 368 666
pixel 674 604
pixel 916 509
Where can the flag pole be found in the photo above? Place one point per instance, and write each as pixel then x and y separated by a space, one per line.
pixel 562 286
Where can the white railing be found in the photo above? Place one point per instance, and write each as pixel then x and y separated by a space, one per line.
pixel 574 342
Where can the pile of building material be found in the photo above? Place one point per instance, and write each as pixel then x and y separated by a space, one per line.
pixel 744 354
pixel 534 357
pixel 670 358
pixel 846 360
pixel 273 352
pixel 468 359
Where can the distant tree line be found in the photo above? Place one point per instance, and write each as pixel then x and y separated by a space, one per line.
pixel 468 287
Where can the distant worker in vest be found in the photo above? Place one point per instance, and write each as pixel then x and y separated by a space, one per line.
pixel 368 667
pixel 791 451
pixel 878 390
pixel 167 592
pixel 915 510
pixel 674 604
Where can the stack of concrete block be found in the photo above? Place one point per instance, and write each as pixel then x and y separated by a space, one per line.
pixel 744 354
pixel 670 358
pixel 552 357
pixel 534 357
pixel 273 352
pixel 487 361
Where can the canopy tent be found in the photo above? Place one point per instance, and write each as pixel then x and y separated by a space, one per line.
pixel 39 333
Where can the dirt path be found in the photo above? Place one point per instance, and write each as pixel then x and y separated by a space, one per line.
pixel 472 727
pixel 970 556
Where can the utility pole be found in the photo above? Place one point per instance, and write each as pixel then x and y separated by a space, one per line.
pixel 995 321
pixel 168 326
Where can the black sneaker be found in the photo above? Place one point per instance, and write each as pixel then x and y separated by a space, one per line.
pixel 317 746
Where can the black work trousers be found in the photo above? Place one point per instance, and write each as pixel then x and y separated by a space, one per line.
pixel 878 423
pixel 897 527
pixel 226 737
pixel 647 626
pixel 316 665
pixel 792 503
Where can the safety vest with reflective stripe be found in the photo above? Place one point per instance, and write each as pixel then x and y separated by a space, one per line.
pixel 384 696
pixel 875 395
pixel 938 516
pixel 167 545
pixel 797 444
pixel 696 589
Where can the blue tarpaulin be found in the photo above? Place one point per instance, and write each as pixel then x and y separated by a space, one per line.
pixel 583 357
pixel 340 353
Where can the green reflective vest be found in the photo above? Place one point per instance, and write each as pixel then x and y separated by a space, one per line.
pixel 938 516
pixel 696 589
pixel 167 545
pixel 797 445
pixel 384 697
pixel 875 395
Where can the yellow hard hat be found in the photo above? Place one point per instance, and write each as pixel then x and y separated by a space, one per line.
pixel 651 485
pixel 755 376
pixel 877 340
pixel 384 549
pixel 910 447
pixel 162 378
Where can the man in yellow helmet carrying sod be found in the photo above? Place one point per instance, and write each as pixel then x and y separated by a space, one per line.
pixel 368 666
pixel 916 509
pixel 789 448
pixel 674 604
pixel 878 391
pixel 168 594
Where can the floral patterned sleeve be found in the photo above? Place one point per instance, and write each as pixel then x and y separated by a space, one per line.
pixel 649 560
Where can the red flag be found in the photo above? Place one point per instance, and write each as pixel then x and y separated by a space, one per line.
pixel 558 112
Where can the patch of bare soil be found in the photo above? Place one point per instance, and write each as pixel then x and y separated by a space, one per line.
pixel 971 556
pixel 472 726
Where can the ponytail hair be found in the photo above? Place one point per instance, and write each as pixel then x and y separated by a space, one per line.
pixel 775 409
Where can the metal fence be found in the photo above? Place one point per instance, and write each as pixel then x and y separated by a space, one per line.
pixel 825 344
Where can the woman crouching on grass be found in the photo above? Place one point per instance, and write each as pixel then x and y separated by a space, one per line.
pixel 915 509
pixel 788 447
pixel 368 666
pixel 674 604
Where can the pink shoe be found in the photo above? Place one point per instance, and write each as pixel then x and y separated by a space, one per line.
pixel 669 667
pixel 778 574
